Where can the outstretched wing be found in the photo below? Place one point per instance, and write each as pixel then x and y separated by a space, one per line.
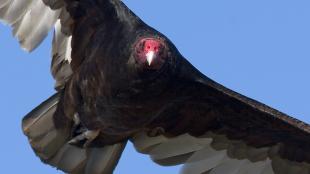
pixel 51 143
pixel 31 20
pixel 213 130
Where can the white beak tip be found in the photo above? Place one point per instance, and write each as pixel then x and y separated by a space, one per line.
pixel 149 57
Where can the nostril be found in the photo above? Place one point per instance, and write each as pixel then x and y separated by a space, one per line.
pixel 150 44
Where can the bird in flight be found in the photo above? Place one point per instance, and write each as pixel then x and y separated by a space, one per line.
pixel 120 80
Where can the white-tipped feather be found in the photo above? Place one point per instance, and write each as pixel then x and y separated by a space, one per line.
pixel 31 20
pixel 68 51
pixel 61 44
pixel 14 10
pixel 61 53
pixel 35 25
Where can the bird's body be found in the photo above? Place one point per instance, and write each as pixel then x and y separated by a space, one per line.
pixel 117 106
pixel 132 102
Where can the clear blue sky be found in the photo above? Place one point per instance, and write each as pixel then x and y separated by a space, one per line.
pixel 258 48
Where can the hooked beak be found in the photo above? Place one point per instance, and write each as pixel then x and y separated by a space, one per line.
pixel 149 57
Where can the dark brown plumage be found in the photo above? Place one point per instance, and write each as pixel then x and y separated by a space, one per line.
pixel 126 79
pixel 114 94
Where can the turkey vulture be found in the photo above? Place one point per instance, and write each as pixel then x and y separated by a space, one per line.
pixel 124 80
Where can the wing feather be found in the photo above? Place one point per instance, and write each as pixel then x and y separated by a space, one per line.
pixel 31 20
pixel 14 10
pixel 34 26
pixel 70 158
pixel 51 144
pixel 61 53
pixel 216 154
pixel 254 168
pixel 245 136
pixel 203 161
pixel 231 166
pixel 103 160
pixel 145 146
pixel 185 143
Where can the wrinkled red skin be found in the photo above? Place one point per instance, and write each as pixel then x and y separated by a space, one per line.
pixel 151 45
pixel 144 46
